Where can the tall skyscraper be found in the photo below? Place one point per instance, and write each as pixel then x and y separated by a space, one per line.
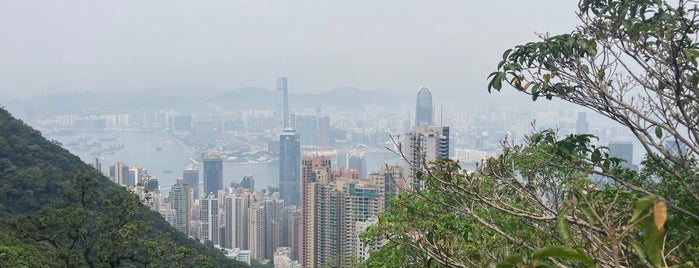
pixel 190 176
pixel 119 173
pixel 282 113
pixel 181 201
pixel 290 167
pixel 323 132
pixel 229 217
pixel 423 145
pixel 256 231
pixel 424 111
pixel 209 219
pixel 313 169
pixel 307 127
pixel 213 174
pixel 622 150
pixel 581 125
pixel 275 226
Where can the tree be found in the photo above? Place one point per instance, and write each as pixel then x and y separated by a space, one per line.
pixel 542 202
pixel 634 62
pixel 563 201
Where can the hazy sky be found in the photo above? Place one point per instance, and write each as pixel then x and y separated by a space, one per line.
pixel 49 46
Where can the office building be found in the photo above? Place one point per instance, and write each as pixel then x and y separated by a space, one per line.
pixel 581 125
pixel 282 112
pixel 424 111
pixel 323 133
pixel 290 167
pixel 213 174
pixel 229 215
pixel 209 219
pixel 190 176
pixel 424 145
pixel 180 199
pixel 119 173
pixel 622 150
pixel 307 126
pixel 256 231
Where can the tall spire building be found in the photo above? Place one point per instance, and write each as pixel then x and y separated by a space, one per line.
pixel 282 113
pixel 424 111
pixel 290 167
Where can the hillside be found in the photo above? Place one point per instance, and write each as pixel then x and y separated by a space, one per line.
pixel 57 211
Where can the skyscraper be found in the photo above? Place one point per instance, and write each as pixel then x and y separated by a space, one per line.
pixel 424 111
pixel 581 125
pixel 290 167
pixel 119 173
pixel 209 219
pixel 425 144
pixel 624 151
pixel 181 201
pixel 313 169
pixel 213 174
pixel 190 176
pixel 307 126
pixel 282 113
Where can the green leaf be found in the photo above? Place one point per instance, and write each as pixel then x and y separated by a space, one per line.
pixel 658 132
pixel 641 207
pixel 562 226
pixel 563 253
pixel 653 242
pixel 596 156
pixel 510 262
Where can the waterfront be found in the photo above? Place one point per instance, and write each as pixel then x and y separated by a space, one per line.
pixel 165 158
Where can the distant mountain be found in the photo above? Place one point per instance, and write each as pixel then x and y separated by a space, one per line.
pixel 56 211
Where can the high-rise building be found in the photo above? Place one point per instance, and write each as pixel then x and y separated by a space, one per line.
pixel 323 132
pixel 295 232
pixel 180 199
pixel 581 125
pixel 242 203
pixel 256 231
pixel 313 169
pixel 213 174
pixel 282 113
pixel 290 167
pixel 119 173
pixel 136 174
pixel 307 127
pixel 229 217
pixel 624 151
pixel 425 144
pixel 190 176
pixel 209 219
pixel 275 226
pixel 334 201
pixel 357 161
pixel 424 111
pixel 97 164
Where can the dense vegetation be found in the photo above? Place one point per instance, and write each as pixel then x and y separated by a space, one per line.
pixel 56 211
pixel 563 201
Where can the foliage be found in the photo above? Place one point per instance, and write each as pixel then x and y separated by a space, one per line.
pixel 57 211
pixel 565 202
pixel 634 62
pixel 551 202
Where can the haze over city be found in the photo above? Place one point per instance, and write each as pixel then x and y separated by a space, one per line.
pixel 52 47
pixel 309 134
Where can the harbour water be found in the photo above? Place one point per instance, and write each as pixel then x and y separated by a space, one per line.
pixel 165 158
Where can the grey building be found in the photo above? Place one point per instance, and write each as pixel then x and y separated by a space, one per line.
pixel 290 167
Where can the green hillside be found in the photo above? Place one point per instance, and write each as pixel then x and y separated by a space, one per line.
pixel 56 211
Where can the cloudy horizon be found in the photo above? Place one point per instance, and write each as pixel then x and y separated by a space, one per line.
pixel 54 47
